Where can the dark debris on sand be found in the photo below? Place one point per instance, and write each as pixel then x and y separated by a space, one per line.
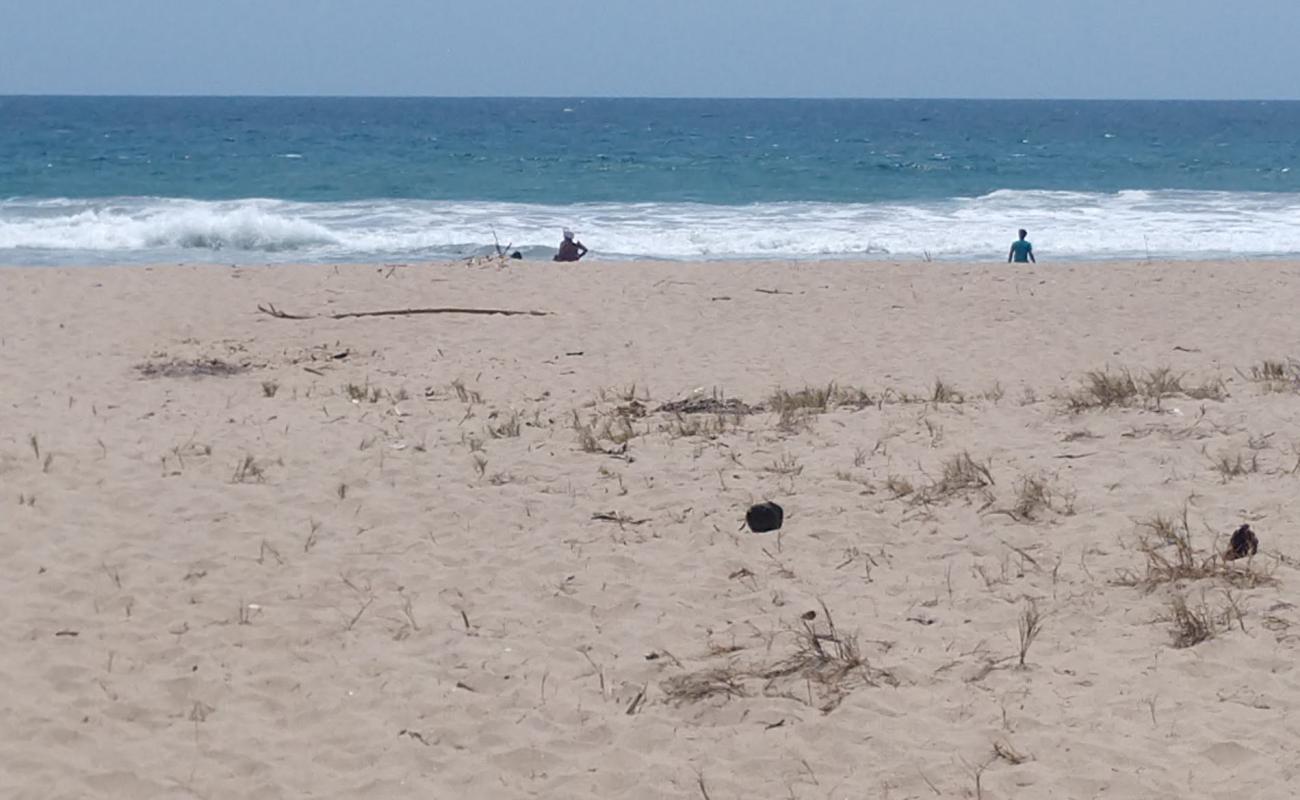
pixel 708 405
pixel 191 368
pixel 1244 543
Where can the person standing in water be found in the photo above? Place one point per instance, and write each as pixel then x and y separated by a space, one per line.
pixel 1022 252
pixel 570 248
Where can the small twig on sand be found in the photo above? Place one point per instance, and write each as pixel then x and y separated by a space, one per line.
pixel 619 517
pixel 357 617
pixel 636 702
pixel 277 313
pixel 271 310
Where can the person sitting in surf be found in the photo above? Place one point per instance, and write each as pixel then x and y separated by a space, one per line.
pixel 570 248
pixel 1022 252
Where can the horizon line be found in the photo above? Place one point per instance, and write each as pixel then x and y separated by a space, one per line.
pixel 714 98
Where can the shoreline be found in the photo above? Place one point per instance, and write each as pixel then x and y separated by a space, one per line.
pixel 478 261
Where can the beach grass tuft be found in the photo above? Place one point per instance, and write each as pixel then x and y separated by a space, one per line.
pixel 1030 625
pixel 1165 543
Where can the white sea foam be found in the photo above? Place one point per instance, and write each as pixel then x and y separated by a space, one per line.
pixel 1063 225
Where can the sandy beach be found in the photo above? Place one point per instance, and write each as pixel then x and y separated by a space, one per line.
pixel 473 556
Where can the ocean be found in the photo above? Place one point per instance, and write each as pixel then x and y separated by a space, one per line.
pixel 87 180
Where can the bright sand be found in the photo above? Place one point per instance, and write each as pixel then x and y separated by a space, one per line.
pixel 406 595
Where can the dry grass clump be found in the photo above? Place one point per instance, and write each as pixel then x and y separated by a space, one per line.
pixel 363 393
pixel 614 428
pixel 692 687
pixel 1160 383
pixel 1171 557
pixel 828 661
pixel 787 464
pixel 464 394
pixel 853 397
pixel 824 672
pixel 961 473
pixel 1234 466
pixel 1270 371
pixel 1163 528
pixel 1033 496
pixel 795 410
pixel 899 486
pixel 1275 376
pixel 824 668
pixel 791 419
pixel 249 471
pixel 818 399
pixel 1192 624
pixel 1031 624
pixel 1103 389
pixel 815 400
pixel 683 426
pixel 945 393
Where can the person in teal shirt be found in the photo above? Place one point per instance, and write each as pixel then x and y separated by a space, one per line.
pixel 1022 252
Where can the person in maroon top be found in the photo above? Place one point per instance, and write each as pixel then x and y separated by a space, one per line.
pixel 570 249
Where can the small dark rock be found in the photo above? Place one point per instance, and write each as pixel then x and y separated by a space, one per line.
pixel 1244 543
pixel 765 517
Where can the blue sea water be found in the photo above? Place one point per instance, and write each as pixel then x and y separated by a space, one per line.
pixel 101 179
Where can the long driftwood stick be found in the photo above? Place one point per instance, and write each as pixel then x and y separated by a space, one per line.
pixel 402 312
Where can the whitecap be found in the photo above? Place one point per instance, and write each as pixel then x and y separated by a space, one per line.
pixel 1063 225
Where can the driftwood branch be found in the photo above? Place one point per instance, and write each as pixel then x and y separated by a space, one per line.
pixel 271 310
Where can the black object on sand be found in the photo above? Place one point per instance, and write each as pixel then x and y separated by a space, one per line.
pixel 765 517
pixel 1244 543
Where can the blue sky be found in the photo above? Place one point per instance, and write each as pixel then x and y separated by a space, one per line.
pixel 733 48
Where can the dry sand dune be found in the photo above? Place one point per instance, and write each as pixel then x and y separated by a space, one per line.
pixel 467 556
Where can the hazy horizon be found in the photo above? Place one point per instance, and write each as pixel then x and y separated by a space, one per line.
pixel 821 49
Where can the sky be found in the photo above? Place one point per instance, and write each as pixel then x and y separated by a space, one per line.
pixel 1142 49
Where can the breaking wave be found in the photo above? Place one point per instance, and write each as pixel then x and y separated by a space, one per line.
pixel 1063 225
